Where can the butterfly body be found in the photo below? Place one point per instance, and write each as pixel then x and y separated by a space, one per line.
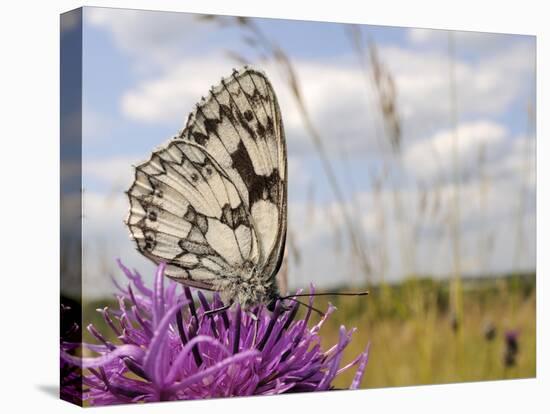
pixel 212 202
pixel 248 286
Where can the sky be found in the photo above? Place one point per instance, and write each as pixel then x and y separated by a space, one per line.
pixel 144 71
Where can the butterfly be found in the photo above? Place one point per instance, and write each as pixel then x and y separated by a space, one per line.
pixel 211 203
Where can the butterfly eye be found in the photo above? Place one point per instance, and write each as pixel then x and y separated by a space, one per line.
pixel 158 193
pixel 194 177
pixel 208 171
pixel 152 216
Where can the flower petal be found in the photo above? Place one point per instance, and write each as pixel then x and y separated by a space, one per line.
pixel 361 370
pixel 233 359
pixel 154 356
pixel 132 351
pixel 188 347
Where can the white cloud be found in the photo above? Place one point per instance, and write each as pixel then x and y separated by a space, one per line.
pixel 297 169
pixel 173 95
pixel 153 36
pixel 105 238
pixel 432 157
pixel 330 93
pixel 485 212
pixel 115 171
pixel 341 103
pixel 518 162
pixel 484 87
pixel 97 126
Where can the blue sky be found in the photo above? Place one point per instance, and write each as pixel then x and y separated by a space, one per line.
pixel 143 71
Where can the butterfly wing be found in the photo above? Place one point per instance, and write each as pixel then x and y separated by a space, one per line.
pixel 184 211
pixel 215 198
pixel 240 126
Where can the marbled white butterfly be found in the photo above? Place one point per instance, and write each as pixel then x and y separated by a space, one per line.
pixel 212 202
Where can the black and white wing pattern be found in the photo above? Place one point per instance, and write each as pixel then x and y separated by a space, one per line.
pixel 212 202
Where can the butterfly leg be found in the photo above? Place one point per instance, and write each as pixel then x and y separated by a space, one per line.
pixel 212 312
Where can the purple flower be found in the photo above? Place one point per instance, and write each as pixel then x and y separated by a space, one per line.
pixel 511 339
pixel 70 374
pixel 170 350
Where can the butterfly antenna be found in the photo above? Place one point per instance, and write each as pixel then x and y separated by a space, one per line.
pixel 363 293
pixel 320 312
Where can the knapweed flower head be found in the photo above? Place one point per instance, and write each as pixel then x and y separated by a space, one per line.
pixel 168 349
pixel 511 340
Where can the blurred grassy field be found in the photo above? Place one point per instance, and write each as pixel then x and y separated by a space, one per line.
pixel 415 339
